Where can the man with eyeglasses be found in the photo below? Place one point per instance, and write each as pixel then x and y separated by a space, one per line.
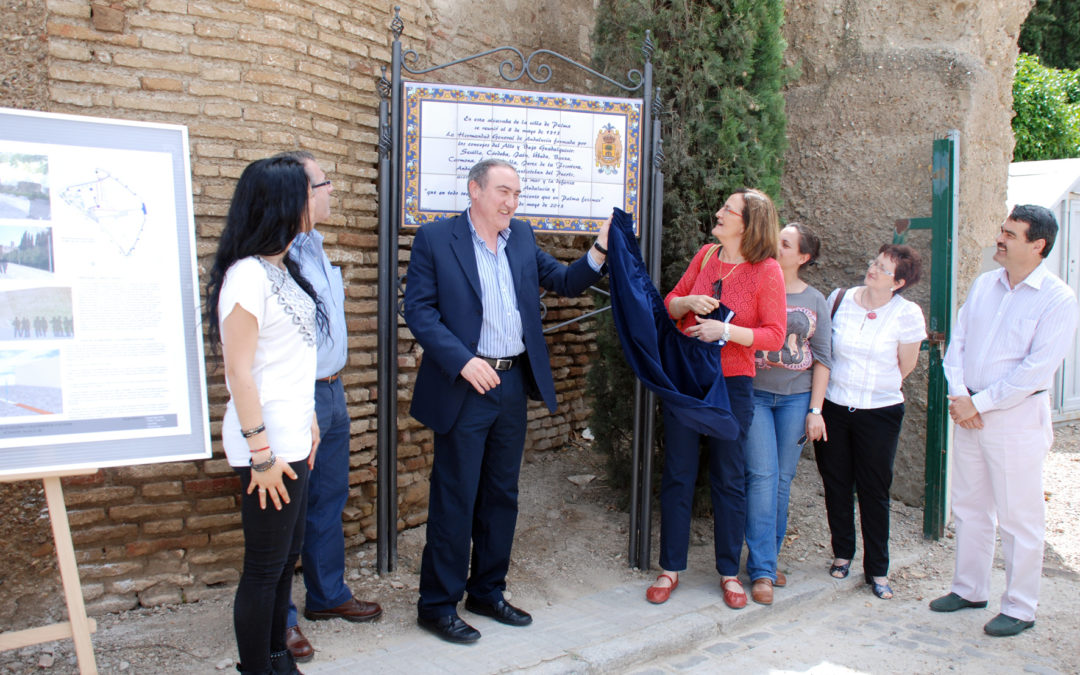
pixel 1010 336
pixel 323 553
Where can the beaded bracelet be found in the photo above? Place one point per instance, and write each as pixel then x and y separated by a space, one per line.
pixel 264 466
pixel 254 431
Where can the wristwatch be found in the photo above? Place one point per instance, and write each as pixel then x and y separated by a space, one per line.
pixel 726 334
pixel 815 411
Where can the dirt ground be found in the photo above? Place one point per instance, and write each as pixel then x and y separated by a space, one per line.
pixel 571 539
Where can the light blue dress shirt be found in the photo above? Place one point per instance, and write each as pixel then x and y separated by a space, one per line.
pixel 307 251
pixel 501 331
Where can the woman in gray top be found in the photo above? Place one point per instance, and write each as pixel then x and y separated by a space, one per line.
pixel 789 389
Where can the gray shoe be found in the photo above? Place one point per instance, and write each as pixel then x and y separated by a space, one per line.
pixel 1004 625
pixel 953 602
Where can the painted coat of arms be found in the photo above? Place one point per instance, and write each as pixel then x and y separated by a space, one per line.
pixel 608 150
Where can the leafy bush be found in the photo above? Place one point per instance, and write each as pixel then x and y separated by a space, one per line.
pixel 1047 105
pixel 718 66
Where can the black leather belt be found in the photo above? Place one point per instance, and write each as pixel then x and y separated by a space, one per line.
pixel 502 364
pixel 972 392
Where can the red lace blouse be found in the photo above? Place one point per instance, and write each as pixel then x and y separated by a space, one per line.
pixel 754 290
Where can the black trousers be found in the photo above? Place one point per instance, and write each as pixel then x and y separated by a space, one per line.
pixel 272 541
pixel 858 458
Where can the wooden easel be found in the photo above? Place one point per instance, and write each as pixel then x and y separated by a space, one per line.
pixel 79 627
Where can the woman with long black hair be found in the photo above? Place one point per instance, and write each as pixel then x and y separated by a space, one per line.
pixel 266 317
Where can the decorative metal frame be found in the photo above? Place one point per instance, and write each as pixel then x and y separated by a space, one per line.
pixel 511 69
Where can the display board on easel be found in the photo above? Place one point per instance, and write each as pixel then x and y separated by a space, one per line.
pixel 101 355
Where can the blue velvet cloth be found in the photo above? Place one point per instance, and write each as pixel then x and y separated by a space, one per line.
pixel 684 372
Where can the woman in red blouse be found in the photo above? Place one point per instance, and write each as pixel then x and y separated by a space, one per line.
pixel 739 275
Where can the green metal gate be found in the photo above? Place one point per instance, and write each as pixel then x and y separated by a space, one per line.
pixel 945 178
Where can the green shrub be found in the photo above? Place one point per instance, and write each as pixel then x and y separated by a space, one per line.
pixel 1047 105
pixel 718 66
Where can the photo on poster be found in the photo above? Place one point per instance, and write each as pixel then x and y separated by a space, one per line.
pixel 30 383
pixel 26 252
pixel 36 314
pixel 24 186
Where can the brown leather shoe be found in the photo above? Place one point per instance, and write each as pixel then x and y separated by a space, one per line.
pixel 781 580
pixel 301 649
pixel 350 610
pixel 761 591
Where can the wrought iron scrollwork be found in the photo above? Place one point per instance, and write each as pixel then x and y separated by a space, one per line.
pixel 401 281
pixel 396 24
pixel 518 65
pixel 383 85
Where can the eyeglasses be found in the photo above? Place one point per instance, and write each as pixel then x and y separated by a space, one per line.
pixel 319 185
pixel 730 210
pixel 874 264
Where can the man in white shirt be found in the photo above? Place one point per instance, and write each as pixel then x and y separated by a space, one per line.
pixel 1010 336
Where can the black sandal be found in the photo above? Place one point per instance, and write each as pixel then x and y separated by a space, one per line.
pixel 840 571
pixel 880 589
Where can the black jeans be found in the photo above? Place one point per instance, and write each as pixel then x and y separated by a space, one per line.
pixel 859 456
pixel 272 541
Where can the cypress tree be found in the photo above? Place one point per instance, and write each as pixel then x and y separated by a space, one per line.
pixel 1052 32
pixel 718 65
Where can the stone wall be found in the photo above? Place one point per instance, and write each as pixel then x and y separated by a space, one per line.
pixel 250 78
pixel 879 82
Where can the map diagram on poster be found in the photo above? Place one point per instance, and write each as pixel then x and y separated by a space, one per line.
pixel 112 205
pixel 577 156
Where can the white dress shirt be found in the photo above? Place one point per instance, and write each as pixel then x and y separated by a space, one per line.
pixel 865 352
pixel 1007 342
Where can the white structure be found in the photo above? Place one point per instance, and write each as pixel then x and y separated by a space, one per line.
pixel 1055 184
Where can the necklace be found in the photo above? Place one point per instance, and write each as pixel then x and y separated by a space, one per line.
pixel 871 313
pixel 730 271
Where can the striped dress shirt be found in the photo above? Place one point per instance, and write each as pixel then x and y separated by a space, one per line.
pixel 1007 342
pixel 501 332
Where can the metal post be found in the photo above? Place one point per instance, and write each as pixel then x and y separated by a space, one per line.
pixel 389 217
pixel 946 166
pixel 644 401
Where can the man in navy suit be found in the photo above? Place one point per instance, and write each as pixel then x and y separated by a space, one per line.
pixel 472 301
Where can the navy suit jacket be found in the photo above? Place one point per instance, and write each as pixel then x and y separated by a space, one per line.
pixel 444 312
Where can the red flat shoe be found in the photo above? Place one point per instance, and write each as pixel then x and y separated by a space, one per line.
pixel 733 599
pixel 659 594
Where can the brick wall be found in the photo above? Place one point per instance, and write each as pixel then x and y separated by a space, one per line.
pixel 250 78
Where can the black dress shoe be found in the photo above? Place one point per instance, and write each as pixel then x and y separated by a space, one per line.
pixel 502 611
pixel 450 628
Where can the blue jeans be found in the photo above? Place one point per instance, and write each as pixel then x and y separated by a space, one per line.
pixel 726 485
pixel 772 455
pixel 323 554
